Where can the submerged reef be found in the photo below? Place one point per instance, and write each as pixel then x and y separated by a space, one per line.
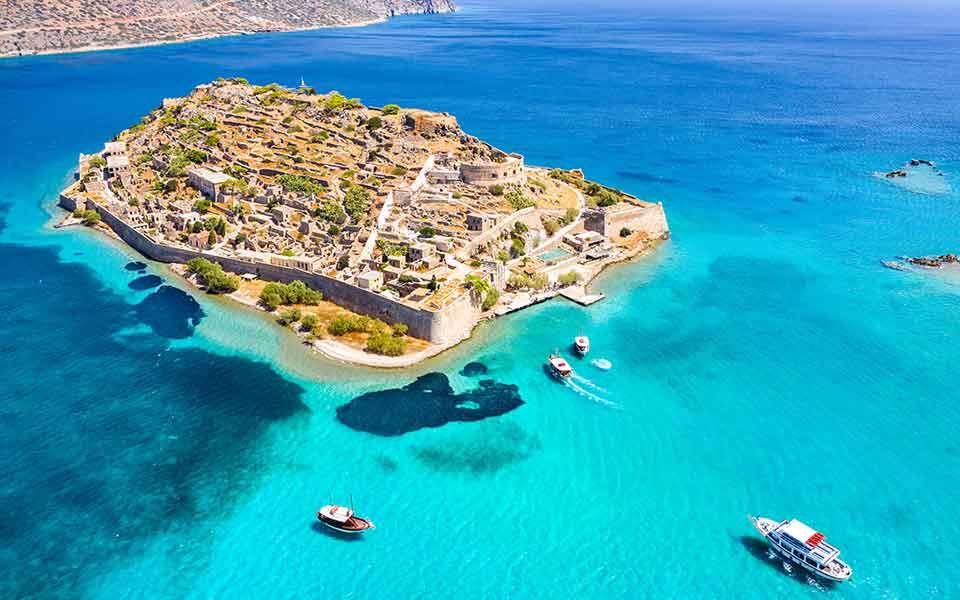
pixel 170 313
pixel 427 402
pixel 486 450
pixel 920 177
pixel 145 282
pixel 473 369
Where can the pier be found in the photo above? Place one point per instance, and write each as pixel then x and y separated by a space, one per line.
pixel 579 295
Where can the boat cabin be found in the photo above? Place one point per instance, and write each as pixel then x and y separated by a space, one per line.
pixel 804 543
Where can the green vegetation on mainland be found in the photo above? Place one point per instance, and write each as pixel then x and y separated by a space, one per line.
pixel 89 217
pixel 213 276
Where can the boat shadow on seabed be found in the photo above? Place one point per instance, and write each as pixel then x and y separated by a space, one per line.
pixel 337 535
pixel 762 552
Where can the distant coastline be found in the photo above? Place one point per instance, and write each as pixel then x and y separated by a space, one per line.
pixel 66 37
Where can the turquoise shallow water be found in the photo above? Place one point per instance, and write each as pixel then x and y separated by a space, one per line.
pixel 156 444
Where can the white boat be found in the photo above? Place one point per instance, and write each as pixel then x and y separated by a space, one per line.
pixel 342 519
pixel 582 344
pixel 559 367
pixel 804 546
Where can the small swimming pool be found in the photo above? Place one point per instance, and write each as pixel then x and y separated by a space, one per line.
pixel 555 255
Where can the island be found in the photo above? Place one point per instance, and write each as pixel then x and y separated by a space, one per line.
pixel 381 235
pixel 53 26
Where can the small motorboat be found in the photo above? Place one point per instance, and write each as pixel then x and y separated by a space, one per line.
pixel 342 519
pixel 582 344
pixel 895 265
pixel 803 546
pixel 559 367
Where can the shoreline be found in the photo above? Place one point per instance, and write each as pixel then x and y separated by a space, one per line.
pixel 195 38
pixel 339 352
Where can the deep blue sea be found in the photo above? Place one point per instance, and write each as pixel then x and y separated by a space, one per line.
pixel 158 443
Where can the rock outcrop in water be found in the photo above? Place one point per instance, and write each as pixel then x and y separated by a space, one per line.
pixel 427 402
pixel 934 262
pixel 62 26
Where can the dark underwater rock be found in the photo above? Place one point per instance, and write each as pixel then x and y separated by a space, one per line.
pixel 473 369
pixel 427 402
pixel 170 313
pixel 135 266
pixel 147 282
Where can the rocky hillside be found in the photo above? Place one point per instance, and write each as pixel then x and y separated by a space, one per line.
pixel 44 26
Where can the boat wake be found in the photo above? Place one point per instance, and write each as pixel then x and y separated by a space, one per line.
pixel 587 383
pixel 602 364
pixel 573 385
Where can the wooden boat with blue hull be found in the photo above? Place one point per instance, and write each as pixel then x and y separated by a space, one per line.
pixel 803 546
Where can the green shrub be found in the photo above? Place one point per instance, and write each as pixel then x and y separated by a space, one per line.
pixel 400 329
pixel 490 299
pixel 290 316
pixel 625 232
pixel 374 123
pixel 309 322
pixel 569 278
pixel 398 171
pixel 202 205
pixel 391 109
pixel 195 156
pixel 551 227
pixel 297 183
pixel 97 162
pixel 390 249
pixel 570 215
pixel 275 294
pixel 213 276
pixel 331 211
pixel 350 324
pixel 521 281
pixel 427 232
pixel 319 138
pixel 356 201
pixel 336 101
pixel 518 201
pixel 271 87
pixel 384 343
pixel 90 217
pixel 496 190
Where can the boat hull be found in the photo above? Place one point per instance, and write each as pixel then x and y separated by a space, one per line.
pixel 765 526
pixel 334 527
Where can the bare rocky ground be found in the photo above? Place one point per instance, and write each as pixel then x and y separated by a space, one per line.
pixel 50 26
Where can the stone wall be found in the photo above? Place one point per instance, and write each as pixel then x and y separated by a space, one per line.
pixel 647 217
pixel 508 172
pixel 494 232
pixel 441 326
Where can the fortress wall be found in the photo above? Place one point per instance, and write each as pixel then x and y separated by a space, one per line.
pixel 649 218
pixel 507 172
pixel 435 326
